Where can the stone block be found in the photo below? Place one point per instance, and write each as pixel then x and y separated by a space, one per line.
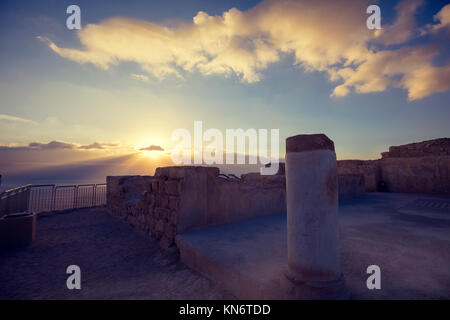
pixel 172 187
pixel 173 217
pixel 159 226
pixel 161 213
pixel 174 203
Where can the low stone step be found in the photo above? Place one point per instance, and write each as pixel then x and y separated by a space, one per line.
pixel 246 257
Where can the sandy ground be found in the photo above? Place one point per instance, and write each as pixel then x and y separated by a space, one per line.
pixel 115 262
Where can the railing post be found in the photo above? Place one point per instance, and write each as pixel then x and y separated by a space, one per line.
pixel 27 198
pixel 94 197
pixel 53 207
pixel 38 199
pixel 30 199
pixel 75 197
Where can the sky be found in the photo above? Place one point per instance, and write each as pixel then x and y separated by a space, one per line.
pixel 138 70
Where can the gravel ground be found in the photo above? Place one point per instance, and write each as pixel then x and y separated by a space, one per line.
pixel 115 261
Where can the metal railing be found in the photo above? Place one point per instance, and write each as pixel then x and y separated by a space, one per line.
pixel 50 197
pixel 15 200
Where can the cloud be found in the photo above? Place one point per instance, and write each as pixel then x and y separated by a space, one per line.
pixel 98 145
pixel 393 68
pixel 443 19
pixel 51 145
pixel 327 36
pixel 5 117
pixel 59 145
pixel 152 148
pixel 140 77
pixel 404 27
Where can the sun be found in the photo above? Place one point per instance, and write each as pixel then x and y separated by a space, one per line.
pixel 151 146
pixel 150 154
pixel 149 151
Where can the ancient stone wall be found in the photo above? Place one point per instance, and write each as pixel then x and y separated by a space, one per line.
pixel 149 204
pixel 368 168
pixel 417 174
pixel 179 199
pixel 433 148
pixel 252 195
pixel 421 167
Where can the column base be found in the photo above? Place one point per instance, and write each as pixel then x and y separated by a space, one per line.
pixel 314 290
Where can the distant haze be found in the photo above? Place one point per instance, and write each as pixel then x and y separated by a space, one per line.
pixel 91 170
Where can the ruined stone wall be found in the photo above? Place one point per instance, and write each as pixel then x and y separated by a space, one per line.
pixel 433 148
pixel 149 204
pixel 252 195
pixel 417 174
pixel 178 199
pixel 421 167
pixel 368 168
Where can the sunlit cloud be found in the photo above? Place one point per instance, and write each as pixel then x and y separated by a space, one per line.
pixel 98 145
pixel 404 27
pixel 393 68
pixel 140 77
pixel 8 118
pixel 443 21
pixel 152 148
pixel 326 36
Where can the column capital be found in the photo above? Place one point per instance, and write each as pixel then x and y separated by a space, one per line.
pixel 309 142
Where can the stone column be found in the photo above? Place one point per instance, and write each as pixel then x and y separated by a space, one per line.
pixel 313 269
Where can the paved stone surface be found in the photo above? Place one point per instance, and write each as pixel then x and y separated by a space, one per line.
pixel 408 236
pixel 115 262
